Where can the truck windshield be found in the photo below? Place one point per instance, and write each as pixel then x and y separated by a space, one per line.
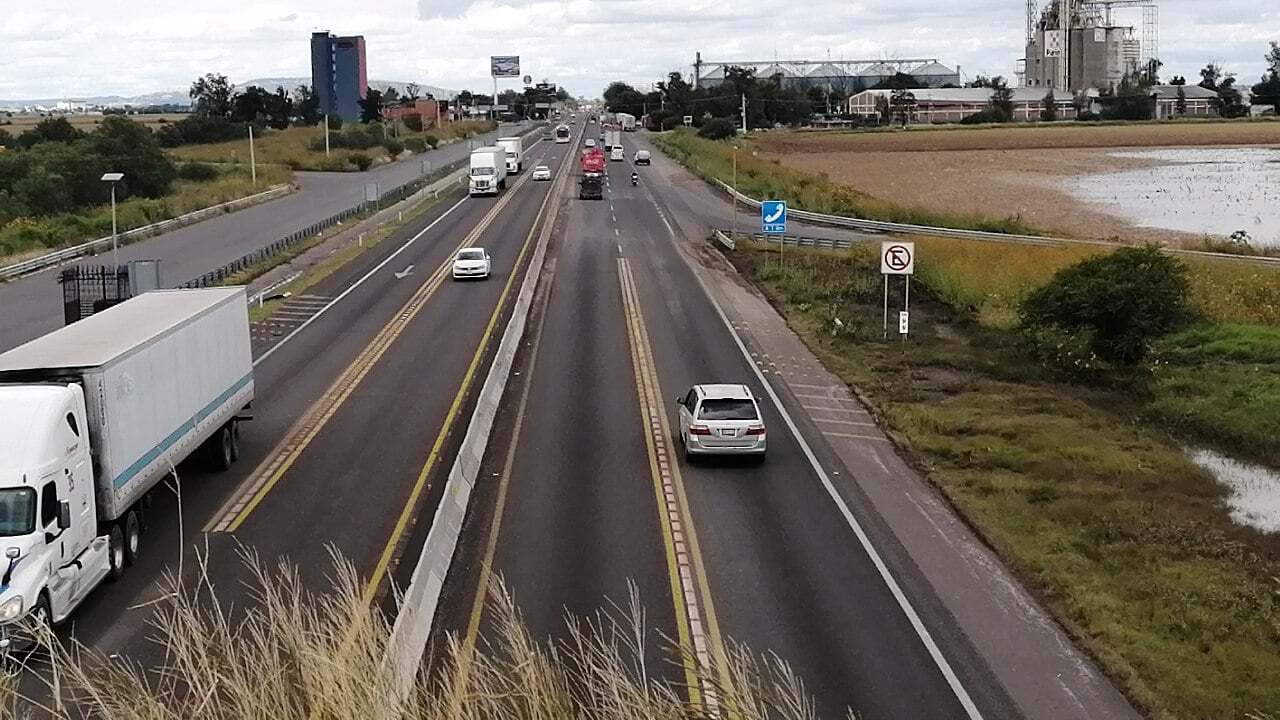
pixel 17 511
pixel 481 171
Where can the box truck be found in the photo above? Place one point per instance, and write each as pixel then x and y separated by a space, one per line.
pixel 591 184
pixel 488 170
pixel 612 139
pixel 514 148
pixel 92 418
pixel 627 121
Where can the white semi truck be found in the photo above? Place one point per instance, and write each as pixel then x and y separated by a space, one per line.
pixel 488 170
pixel 514 147
pixel 92 418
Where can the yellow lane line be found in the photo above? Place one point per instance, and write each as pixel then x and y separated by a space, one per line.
pixel 270 471
pixel 406 514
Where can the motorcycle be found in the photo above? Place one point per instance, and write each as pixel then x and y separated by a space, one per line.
pixel 635 179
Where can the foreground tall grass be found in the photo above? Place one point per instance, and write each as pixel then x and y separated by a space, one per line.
pixel 758 178
pixel 298 655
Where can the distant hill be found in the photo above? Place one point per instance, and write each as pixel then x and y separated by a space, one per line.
pixel 179 97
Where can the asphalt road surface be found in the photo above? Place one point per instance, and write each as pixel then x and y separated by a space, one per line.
pixel 598 494
pixel 404 345
pixel 32 306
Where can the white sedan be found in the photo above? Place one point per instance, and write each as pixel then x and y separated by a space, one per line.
pixel 472 263
pixel 721 420
pixel 590 143
pixel 542 172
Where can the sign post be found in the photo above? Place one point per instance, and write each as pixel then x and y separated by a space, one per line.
pixel 773 221
pixel 898 258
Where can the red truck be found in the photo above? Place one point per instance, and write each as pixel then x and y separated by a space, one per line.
pixel 591 186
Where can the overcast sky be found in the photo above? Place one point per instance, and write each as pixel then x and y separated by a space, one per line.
pixel 56 48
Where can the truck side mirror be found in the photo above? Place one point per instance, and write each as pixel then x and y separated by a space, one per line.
pixel 64 515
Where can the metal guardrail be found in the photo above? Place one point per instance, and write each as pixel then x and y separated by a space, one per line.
pixel 880 226
pixel 726 238
pixel 58 257
pixel 441 178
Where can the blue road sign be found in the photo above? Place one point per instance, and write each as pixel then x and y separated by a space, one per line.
pixel 773 216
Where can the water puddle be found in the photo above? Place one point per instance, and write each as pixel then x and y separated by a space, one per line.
pixel 1208 191
pixel 1255 490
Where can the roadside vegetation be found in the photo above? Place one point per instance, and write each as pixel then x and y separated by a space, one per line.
pixel 352 147
pixel 756 177
pixel 1054 403
pixel 296 654
pixel 52 195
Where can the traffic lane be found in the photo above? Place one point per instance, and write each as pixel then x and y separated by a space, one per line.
pixel 114 619
pixel 350 485
pixel 286 385
pixel 33 304
pixel 786 573
pixel 581 526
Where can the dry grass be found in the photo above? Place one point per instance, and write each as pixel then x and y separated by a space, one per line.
pixel 295 654
pixel 19 123
pixel 1021 136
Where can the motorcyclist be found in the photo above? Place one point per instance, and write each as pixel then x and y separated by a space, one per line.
pixel 635 178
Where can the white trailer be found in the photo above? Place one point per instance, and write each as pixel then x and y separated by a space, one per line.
pixel 514 147
pixel 488 170
pixel 627 121
pixel 92 418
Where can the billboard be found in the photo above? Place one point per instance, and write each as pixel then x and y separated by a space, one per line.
pixel 545 87
pixel 504 65
pixel 1053 43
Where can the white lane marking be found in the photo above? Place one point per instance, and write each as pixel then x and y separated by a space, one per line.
pixel 351 288
pixel 617 232
pixel 844 422
pixel 405 272
pixel 855 437
pixel 822 397
pixel 815 387
pixel 962 695
pixel 850 411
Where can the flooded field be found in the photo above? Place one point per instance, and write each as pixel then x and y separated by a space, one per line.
pixel 1255 490
pixel 1211 191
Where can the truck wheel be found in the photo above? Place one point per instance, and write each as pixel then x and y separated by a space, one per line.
pixel 234 426
pixel 132 537
pixel 115 551
pixel 220 449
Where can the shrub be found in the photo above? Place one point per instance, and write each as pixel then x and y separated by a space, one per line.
pixel 200 129
pixel 198 171
pixel 354 138
pixel 393 146
pixel 717 129
pixel 413 122
pixel 360 160
pixel 415 144
pixel 984 117
pixel 1119 302
pixel 431 140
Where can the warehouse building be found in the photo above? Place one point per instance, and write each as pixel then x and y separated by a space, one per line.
pixel 841 76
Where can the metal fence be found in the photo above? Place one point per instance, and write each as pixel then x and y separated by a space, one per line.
pixel 218 275
pixel 88 289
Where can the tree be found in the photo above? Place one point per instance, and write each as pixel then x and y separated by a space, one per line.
pixel 901 103
pixel 1131 99
pixel 1230 101
pixel 1050 111
pixel 250 105
pixel 717 129
pixel 1151 73
pixel 211 95
pixel 412 91
pixel 1210 76
pixel 1178 80
pixel 621 97
pixel 50 129
pixel 885 110
pixel 390 97
pixel 371 107
pixel 6 140
pixel 1180 106
pixel 1001 99
pixel 1267 92
pixel 981 81
pixel 129 147
pixel 306 106
pixel 899 81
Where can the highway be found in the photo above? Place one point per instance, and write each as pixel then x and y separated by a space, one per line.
pixel 371 395
pixel 33 304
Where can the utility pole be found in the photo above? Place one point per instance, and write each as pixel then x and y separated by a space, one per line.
pixel 744 112
pixel 326 134
pixel 253 163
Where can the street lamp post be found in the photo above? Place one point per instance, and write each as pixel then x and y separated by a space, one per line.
pixel 113 178
pixel 735 193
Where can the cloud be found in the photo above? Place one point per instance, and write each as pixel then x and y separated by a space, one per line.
pixel 582 44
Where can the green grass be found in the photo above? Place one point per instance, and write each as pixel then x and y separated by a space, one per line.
pixel 759 178
pixel 1085 491
pixel 291 148
pixel 29 236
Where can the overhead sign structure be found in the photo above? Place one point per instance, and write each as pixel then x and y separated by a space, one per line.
pixel 898 258
pixel 773 217
pixel 504 66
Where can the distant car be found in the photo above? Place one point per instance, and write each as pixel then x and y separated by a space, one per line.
pixel 617 154
pixel 542 172
pixel 590 143
pixel 472 263
pixel 721 420
pixel 641 157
